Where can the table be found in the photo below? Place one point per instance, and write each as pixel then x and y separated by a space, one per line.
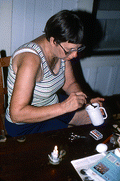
pixel 29 161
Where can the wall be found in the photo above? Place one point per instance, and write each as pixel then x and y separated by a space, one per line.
pixel 24 20
pixel 30 16
pixel 102 73
pixel 5 25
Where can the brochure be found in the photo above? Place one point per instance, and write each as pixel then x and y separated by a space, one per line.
pixel 107 169
pixel 98 167
pixel 83 164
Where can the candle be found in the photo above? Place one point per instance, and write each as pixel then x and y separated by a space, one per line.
pixel 54 154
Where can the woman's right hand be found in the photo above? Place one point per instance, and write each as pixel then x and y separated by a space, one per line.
pixel 74 101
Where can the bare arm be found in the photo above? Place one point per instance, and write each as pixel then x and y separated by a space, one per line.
pixel 72 88
pixel 28 67
pixel 71 84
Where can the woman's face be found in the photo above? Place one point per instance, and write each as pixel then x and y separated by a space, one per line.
pixel 67 51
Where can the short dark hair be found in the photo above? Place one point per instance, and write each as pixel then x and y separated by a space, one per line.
pixel 65 26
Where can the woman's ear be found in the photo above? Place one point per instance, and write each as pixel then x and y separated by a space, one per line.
pixel 52 41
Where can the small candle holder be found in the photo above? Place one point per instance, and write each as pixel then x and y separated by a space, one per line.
pixel 55 158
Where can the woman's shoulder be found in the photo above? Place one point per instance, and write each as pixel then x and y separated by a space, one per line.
pixel 26 60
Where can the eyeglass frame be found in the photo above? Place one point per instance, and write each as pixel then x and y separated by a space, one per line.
pixel 79 49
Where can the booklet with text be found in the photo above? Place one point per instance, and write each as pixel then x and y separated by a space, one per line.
pixel 98 167
pixel 106 169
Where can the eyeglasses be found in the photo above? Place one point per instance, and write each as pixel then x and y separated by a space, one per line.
pixel 79 49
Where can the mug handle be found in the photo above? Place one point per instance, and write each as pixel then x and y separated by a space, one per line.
pixel 104 112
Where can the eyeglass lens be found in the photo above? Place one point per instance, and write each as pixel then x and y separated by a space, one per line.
pixel 78 50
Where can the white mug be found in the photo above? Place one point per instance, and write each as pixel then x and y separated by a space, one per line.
pixel 95 114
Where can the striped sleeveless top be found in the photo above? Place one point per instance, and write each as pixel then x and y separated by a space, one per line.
pixel 44 93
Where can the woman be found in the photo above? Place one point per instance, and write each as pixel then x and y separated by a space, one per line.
pixel 37 71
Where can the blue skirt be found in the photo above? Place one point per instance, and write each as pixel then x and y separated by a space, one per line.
pixel 56 123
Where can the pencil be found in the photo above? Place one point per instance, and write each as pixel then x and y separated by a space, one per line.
pixel 107 139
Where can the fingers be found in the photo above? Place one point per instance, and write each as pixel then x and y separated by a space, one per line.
pixel 102 112
pixel 98 100
pixel 81 97
pixel 74 102
pixel 81 93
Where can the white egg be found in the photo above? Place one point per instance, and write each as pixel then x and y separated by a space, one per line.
pixel 101 148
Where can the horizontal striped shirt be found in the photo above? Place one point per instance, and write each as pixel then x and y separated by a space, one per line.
pixel 44 93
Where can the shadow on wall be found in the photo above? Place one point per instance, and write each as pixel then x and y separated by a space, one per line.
pixel 81 80
pixel 92 31
pixel 92 36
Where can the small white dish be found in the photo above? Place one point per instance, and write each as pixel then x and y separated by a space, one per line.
pixel 101 148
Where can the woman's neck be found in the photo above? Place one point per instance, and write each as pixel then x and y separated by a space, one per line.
pixel 47 50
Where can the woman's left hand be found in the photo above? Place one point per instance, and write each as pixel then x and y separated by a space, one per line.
pixel 98 100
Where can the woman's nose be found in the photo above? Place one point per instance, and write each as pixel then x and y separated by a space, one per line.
pixel 74 54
